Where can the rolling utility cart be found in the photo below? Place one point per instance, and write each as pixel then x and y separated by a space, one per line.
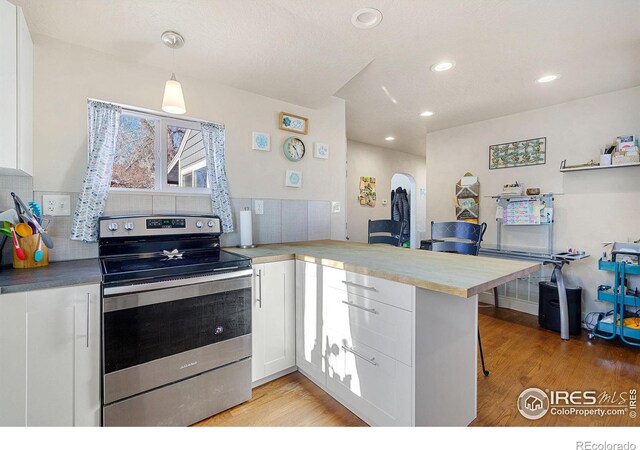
pixel 622 323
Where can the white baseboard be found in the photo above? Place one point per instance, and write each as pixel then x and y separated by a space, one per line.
pixel 282 373
pixel 510 303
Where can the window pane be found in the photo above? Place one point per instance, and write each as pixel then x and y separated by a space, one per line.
pixel 185 157
pixel 134 164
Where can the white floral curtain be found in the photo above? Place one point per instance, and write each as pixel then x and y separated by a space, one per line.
pixel 103 121
pixel 213 137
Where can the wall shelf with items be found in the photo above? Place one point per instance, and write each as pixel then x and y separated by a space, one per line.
pixel 563 167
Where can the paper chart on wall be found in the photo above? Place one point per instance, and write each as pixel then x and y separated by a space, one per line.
pixel 522 213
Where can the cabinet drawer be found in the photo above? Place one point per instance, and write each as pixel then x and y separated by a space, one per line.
pixel 375 387
pixel 382 327
pixel 390 292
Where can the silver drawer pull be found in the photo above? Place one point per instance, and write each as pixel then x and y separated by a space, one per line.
pixel 359 355
pixel 361 286
pixel 371 310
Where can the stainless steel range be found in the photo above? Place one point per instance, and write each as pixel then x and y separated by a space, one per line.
pixel 176 321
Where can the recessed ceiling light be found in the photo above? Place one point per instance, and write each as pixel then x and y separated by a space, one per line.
pixel 442 66
pixel 547 78
pixel 366 18
pixel 389 138
pixel 426 114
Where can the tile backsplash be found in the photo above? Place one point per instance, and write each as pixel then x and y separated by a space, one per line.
pixel 282 221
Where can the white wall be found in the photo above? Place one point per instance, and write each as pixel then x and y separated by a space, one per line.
pixel 381 163
pixel 66 75
pixel 597 206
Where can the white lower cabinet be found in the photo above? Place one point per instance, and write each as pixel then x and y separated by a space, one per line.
pixel 273 319
pixel 374 386
pixel 61 373
pixel 354 339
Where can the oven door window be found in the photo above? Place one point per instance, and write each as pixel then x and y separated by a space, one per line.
pixel 138 330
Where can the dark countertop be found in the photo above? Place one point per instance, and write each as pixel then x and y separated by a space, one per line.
pixel 56 274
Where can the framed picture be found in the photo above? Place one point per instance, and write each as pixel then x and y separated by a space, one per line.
pixel 367 196
pixel 261 141
pixel 320 150
pixel 293 123
pixel 531 152
pixel 294 179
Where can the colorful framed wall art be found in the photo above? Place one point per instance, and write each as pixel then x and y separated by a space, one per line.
pixel 293 123
pixel 531 152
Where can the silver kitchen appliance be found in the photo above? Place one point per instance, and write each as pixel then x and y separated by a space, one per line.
pixel 176 321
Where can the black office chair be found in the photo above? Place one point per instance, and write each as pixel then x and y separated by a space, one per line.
pixel 463 238
pixel 385 232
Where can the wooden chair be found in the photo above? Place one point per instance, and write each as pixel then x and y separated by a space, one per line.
pixel 463 238
pixel 385 232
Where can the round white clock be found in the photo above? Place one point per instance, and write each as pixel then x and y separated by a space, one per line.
pixel 293 149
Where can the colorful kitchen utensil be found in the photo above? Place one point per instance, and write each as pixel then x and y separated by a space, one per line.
pixel 23 229
pixel 10 215
pixel 36 210
pixel 29 218
pixel 38 254
pixel 19 252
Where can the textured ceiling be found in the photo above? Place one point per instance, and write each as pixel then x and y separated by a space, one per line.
pixel 304 51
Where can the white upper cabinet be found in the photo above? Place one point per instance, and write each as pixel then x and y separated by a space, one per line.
pixel 16 90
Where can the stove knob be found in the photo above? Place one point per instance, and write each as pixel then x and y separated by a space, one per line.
pixel 199 224
pixel 113 226
pixel 210 223
pixel 128 226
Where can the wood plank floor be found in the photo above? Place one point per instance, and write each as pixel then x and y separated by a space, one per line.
pixel 519 355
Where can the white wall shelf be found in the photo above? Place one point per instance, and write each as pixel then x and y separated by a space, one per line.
pixel 613 166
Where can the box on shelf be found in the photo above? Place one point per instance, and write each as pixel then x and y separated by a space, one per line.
pixel 625 159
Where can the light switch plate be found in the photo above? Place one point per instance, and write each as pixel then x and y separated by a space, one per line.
pixel 335 207
pixel 258 207
pixel 56 205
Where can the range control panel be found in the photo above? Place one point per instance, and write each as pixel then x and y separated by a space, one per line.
pixel 165 223
pixel 124 226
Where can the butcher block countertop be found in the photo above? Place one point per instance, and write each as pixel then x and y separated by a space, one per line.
pixel 461 275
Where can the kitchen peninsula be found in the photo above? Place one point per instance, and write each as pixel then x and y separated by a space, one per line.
pixel 391 333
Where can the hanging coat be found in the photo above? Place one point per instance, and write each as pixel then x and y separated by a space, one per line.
pixel 400 211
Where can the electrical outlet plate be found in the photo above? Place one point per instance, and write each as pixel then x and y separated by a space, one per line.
pixel 335 207
pixel 258 207
pixel 56 205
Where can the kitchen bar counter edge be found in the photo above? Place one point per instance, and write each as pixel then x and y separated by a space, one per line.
pixel 459 275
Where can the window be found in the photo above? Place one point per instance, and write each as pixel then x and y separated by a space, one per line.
pixel 160 154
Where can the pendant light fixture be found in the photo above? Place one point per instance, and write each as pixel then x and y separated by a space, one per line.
pixel 173 100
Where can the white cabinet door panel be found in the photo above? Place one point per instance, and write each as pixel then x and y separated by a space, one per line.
pixel 63 356
pixel 13 354
pixel 50 358
pixel 378 325
pixel 273 319
pixel 8 85
pixel 87 356
pixel 25 95
pixel 377 388
pixel 386 291
pixel 309 321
